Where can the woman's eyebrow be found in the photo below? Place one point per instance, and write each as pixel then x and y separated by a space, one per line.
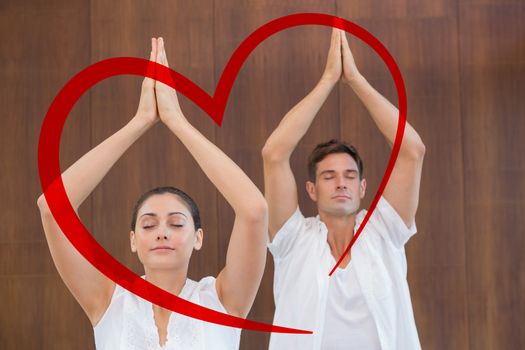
pixel 172 213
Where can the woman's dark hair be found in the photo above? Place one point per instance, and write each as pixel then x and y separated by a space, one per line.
pixel 168 189
pixel 332 146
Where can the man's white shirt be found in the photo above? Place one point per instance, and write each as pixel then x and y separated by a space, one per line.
pixel 303 259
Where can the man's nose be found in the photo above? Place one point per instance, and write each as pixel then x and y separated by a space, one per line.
pixel 340 183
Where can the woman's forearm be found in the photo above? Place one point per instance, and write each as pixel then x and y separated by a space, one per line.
pixel 81 178
pixel 244 197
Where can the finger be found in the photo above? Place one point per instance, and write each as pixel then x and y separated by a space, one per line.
pixel 344 43
pixel 159 51
pixel 164 57
pixel 343 36
pixel 335 37
pixel 334 33
pixel 151 67
pixel 152 55
pixel 154 48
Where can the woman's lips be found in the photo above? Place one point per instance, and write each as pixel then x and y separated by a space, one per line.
pixel 162 248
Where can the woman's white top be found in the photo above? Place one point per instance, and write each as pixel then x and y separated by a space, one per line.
pixel 348 323
pixel 128 323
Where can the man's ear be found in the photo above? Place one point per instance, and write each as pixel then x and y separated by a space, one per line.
pixel 362 188
pixel 199 236
pixel 310 188
pixel 132 241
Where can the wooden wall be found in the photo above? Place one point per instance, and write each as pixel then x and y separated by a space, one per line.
pixel 463 62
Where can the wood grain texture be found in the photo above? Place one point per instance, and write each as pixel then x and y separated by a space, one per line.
pixel 492 57
pixel 463 62
pixel 37 57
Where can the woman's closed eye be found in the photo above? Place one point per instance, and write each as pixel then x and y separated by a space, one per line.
pixel 146 227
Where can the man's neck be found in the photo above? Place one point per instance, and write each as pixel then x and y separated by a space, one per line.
pixel 340 233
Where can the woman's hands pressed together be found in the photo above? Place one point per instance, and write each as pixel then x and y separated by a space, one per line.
pixel 167 102
pixel 158 101
pixel 147 111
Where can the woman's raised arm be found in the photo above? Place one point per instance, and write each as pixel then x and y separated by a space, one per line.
pixel 239 280
pixel 91 288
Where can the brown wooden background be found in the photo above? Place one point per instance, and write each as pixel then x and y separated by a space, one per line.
pixel 463 62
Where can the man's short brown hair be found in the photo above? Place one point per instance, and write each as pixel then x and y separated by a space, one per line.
pixel 330 147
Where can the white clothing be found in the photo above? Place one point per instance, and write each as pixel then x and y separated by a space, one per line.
pixel 303 260
pixel 348 322
pixel 129 324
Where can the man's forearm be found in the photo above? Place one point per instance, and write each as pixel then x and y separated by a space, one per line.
pixel 296 122
pixel 386 116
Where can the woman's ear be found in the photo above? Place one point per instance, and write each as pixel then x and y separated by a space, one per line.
pixel 198 239
pixel 132 241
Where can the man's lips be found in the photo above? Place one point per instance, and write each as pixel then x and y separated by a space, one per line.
pixel 339 196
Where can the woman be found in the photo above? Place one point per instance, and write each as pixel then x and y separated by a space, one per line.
pixel 165 231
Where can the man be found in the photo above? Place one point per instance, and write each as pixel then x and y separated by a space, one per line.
pixel 366 303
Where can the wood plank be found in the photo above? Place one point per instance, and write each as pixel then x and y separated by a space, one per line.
pixel 42 47
pixel 492 59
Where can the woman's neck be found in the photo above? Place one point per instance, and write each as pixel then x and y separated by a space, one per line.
pixel 170 280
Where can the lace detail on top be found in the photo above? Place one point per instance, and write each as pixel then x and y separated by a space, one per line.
pixel 129 323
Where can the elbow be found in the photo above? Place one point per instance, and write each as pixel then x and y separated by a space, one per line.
pixel 272 154
pixel 267 152
pixel 260 209
pixel 416 151
pixel 257 212
pixel 42 204
pixel 420 150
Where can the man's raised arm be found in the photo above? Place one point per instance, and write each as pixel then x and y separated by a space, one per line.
pixel 280 188
pixel 402 191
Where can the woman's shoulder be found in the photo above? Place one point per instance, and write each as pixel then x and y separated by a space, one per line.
pixel 192 287
pixel 203 292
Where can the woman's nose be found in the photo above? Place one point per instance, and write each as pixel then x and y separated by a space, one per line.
pixel 162 235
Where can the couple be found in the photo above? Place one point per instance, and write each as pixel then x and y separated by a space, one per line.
pixel 364 305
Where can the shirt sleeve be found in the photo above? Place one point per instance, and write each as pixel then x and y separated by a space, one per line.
pixel 208 295
pixel 286 238
pixel 396 229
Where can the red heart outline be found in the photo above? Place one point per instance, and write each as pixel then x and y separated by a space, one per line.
pixel 79 236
